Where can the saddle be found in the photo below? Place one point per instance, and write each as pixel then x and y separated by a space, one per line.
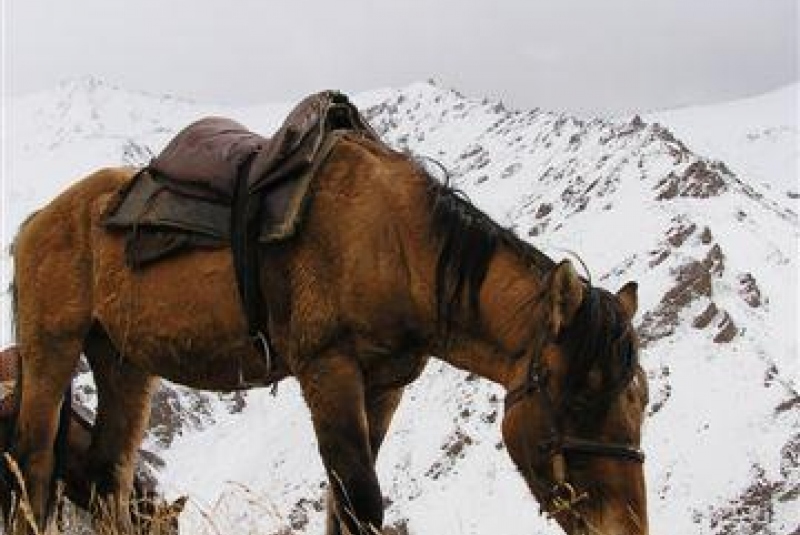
pixel 215 178
pixel 216 184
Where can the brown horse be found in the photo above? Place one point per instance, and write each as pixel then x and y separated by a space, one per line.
pixel 147 505
pixel 389 268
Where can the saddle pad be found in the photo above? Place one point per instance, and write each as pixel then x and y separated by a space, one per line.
pixel 147 202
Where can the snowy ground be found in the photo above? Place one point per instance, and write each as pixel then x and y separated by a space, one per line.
pixel 703 214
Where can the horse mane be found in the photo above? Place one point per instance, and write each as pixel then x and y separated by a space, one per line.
pixel 468 241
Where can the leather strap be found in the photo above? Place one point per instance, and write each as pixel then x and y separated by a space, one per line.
pixel 246 261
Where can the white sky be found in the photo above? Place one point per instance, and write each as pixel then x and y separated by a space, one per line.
pixel 583 55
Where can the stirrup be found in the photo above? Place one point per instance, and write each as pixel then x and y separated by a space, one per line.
pixel 260 340
pixel 262 345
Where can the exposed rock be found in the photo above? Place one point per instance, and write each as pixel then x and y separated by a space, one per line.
pixel 703 320
pixel 398 528
pixel 453 450
pixel 788 405
pixel 510 170
pixel 790 457
pixel 235 401
pixel 543 210
pixel 714 261
pixel 727 330
pixel 692 282
pixel 749 290
pixel 172 411
pixel 660 395
pixel 659 256
pixel 678 235
pixel 668 187
pixel 753 512
pixel 699 180
pixel 706 237
pixel 702 180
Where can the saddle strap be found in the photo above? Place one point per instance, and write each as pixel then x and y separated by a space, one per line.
pixel 245 251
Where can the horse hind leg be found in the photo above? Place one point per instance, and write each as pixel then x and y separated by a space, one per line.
pixel 123 409
pixel 47 367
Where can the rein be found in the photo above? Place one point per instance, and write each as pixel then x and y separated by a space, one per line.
pixel 560 495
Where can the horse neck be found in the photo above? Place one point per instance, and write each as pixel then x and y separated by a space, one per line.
pixel 507 298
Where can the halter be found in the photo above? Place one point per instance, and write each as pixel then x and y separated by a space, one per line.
pixel 560 495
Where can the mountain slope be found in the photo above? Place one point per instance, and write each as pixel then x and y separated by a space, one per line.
pixel 712 245
pixel 757 137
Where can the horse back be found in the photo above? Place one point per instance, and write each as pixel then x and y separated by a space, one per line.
pixel 53 254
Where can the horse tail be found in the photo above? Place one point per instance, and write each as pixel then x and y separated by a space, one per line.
pixel 13 286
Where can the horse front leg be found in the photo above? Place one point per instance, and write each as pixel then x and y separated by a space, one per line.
pixel 333 388
pixel 380 406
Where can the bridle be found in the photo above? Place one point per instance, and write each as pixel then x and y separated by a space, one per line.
pixel 560 496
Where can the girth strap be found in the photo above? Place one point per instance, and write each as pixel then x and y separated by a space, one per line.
pixel 245 251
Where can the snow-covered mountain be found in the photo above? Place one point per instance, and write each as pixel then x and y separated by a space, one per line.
pixel 699 205
pixel 757 137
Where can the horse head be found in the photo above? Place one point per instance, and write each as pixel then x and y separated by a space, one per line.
pixel 575 407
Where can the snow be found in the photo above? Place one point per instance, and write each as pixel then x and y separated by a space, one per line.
pixel 719 421
pixel 757 137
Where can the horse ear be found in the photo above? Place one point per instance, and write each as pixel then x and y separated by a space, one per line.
pixel 566 295
pixel 629 299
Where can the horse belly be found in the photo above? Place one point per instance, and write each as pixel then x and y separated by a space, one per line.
pixel 179 318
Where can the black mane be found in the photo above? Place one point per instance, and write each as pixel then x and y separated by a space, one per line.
pixel 469 239
pixel 598 338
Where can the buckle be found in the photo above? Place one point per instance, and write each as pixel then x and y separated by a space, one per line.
pixel 538 376
pixel 564 498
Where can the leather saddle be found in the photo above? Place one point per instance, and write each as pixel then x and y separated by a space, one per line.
pixel 216 178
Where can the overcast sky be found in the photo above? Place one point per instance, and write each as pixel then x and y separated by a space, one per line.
pixel 602 56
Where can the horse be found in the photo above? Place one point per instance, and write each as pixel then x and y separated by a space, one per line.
pixel 390 268
pixel 147 506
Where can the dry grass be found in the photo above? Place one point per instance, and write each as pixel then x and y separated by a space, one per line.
pixel 219 520
pixel 72 521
